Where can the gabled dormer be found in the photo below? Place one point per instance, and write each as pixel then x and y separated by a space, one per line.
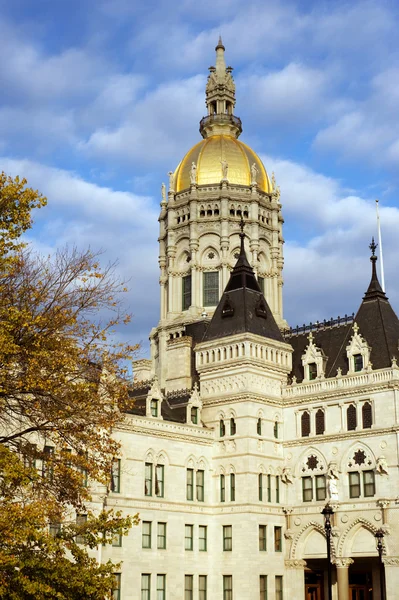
pixel 358 352
pixel 313 361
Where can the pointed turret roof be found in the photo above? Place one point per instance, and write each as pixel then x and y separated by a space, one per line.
pixel 242 307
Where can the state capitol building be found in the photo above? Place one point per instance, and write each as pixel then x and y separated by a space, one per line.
pixel 244 429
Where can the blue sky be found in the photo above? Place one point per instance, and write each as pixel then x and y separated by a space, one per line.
pixel 101 98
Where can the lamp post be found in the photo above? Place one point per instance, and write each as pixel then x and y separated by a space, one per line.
pixel 379 535
pixel 327 512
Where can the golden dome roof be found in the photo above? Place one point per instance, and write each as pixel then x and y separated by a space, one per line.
pixel 209 153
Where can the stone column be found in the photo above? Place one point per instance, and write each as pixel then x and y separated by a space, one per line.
pixel 391 564
pixel 343 565
pixel 295 579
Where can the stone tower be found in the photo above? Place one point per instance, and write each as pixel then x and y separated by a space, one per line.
pixel 218 182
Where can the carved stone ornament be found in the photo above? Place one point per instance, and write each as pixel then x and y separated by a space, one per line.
pixel 289 534
pixel 313 355
pixel 163 192
pixel 171 181
pixel 286 475
pixel 356 346
pixel 391 561
pixel 333 472
pixel 381 465
pixel 343 562
pixel 295 564
pixel 193 174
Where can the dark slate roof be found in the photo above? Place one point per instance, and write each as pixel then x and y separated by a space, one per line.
pixel 173 407
pixel 242 307
pixel 378 325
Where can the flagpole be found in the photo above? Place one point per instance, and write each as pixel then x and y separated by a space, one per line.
pixel 380 244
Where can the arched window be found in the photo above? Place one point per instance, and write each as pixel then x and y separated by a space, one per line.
pixel 222 429
pixel 367 416
pixel 305 424
pixel 275 429
pixel 233 427
pixel 259 426
pixel 320 422
pixel 351 417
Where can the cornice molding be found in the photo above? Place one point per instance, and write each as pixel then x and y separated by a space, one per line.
pixel 338 437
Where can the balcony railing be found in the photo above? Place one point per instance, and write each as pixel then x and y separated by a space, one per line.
pixel 220 118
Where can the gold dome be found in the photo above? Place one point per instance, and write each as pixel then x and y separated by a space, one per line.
pixel 209 153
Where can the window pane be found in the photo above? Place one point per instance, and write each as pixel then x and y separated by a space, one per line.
pixel 211 288
pixel 145 586
pixel 202 587
pixel 161 587
pixel 227 538
pixel 188 542
pixel 116 591
pixel 117 540
pixel 368 483
pixel 277 539
pixel 275 429
pixel 263 587
pixel 307 491
pixel 262 538
pixel 159 481
pixel 146 534
pixel 80 520
pixel 190 484
pixel 320 425
pixel 222 428
pixel 200 485
pixel 188 587
pixel 232 487
pixel 233 429
pixel 47 467
pixel 321 491
pixel 351 417
pixel 354 485
pixel 227 587
pixel 312 371
pixel 161 537
pixel 194 415
pixel 222 489
pixel 186 300
pixel 277 489
pixel 202 546
pixel 305 424
pixel 148 479
pixel 367 415
pixel 116 475
pixel 259 427
pixel 279 587
pixel 357 362
pixel 269 488
pixel 260 486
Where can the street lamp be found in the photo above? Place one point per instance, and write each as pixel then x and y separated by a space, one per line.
pixel 379 535
pixel 327 512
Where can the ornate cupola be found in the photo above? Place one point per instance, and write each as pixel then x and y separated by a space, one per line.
pixel 220 100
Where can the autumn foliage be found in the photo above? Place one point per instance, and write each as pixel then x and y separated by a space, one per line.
pixel 63 390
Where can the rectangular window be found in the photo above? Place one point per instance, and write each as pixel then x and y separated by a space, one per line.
pixel 275 429
pixel 161 587
pixel 190 484
pixel 321 487
pixel 154 408
pixel 202 587
pixel 357 362
pixel 222 489
pixel 277 489
pixel 312 371
pixel 200 480
pixel 145 586
pixel 227 587
pixel 116 590
pixel 307 489
pixel 232 487
pixel 263 587
pixel 260 486
pixel 227 538
pixel 146 534
pixel 278 540
pixel 80 521
pixel 159 481
pixel 368 484
pixel 116 476
pixel 186 290
pixel 194 415
pixel 269 488
pixel 117 540
pixel 54 529
pixel 203 538
pixel 161 536
pixel 262 538
pixel 211 288
pixel 148 479
pixel 279 587
pixel 261 281
pixel 188 587
pixel 188 537
pixel 354 485
pixel 47 467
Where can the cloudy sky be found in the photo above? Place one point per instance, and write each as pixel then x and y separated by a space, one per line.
pixel 100 98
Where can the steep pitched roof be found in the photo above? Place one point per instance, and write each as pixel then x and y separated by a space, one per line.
pixel 378 325
pixel 242 307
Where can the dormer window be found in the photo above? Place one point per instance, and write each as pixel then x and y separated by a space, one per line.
pixel 194 415
pixel 154 408
pixel 357 363
pixel 312 371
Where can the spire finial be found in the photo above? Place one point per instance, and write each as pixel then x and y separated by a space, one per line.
pixel 242 235
pixel 220 44
pixel 373 247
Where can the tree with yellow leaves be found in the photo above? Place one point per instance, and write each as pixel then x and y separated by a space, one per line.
pixel 63 390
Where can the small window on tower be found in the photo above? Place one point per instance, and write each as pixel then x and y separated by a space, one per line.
pixel 194 415
pixel 154 408
pixel 357 362
pixel 312 371
pixel 211 288
pixel 186 299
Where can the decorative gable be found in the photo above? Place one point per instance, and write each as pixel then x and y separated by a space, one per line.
pixel 154 400
pixel 313 361
pixel 194 406
pixel 358 352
